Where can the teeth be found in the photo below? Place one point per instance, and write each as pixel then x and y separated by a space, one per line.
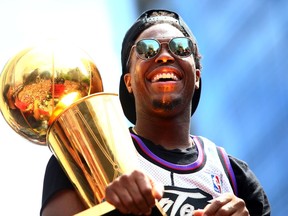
pixel 164 76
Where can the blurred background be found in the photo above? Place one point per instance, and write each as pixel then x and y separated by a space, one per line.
pixel 244 100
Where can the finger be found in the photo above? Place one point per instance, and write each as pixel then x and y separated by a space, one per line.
pixel 198 212
pixel 145 198
pixel 227 209
pixel 157 189
pixel 227 204
pixel 131 194
pixel 134 193
pixel 123 193
pixel 117 197
pixel 238 208
pixel 216 204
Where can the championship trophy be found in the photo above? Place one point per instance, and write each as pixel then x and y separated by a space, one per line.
pixel 52 95
pixel 36 79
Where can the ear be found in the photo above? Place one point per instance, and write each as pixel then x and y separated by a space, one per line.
pixel 198 76
pixel 127 80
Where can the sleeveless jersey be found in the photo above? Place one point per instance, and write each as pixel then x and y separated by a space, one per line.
pixel 186 187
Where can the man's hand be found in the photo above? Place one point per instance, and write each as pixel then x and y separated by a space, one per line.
pixel 134 193
pixel 226 205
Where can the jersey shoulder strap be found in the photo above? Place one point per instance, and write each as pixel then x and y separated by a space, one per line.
pixel 228 168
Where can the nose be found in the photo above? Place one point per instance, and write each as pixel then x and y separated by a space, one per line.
pixel 164 56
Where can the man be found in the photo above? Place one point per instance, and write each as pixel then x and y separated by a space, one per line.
pixel 159 91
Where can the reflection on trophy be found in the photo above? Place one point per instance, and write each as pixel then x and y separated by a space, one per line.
pixel 53 95
pixel 34 81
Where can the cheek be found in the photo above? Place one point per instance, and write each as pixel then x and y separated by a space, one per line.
pixel 139 69
pixel 190 69
pixel 135 72
pixel 140 66
pixel 189 62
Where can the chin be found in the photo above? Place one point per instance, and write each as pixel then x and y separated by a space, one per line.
pixel 167 105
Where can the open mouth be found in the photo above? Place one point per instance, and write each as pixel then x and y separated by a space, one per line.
pixel 164 77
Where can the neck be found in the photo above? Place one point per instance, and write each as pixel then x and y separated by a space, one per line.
pixel 170 135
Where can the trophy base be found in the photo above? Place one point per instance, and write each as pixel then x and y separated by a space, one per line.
pixel 106 209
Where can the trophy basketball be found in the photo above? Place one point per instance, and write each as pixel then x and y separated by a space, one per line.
pixel 52 95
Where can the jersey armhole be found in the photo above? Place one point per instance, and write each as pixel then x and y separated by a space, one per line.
pixel 228 168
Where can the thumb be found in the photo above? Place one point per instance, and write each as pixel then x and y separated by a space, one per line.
pixel 198 212
pixel 157 189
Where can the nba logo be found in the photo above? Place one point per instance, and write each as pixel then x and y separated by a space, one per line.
pixel 216 183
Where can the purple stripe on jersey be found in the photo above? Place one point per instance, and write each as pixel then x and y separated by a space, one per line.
pixel 230 170
pixel 159 160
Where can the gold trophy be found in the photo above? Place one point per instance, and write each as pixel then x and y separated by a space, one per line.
pixel 52 95
pixel 37 78
pixel 93 144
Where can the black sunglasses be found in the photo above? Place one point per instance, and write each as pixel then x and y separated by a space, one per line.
pixel 179 46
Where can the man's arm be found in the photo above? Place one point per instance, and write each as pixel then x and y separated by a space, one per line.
pixel 63 203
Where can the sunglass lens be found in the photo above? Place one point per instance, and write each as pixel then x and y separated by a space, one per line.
pixel 147 48
pixel 181 46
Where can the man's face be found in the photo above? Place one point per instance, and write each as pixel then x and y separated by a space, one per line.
pixel 164 84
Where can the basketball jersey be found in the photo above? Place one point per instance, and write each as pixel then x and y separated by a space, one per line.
pixel 190 186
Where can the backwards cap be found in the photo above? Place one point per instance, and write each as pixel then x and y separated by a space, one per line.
pixel 146 20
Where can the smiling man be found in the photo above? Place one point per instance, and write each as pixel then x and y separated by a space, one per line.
pixel 159 91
